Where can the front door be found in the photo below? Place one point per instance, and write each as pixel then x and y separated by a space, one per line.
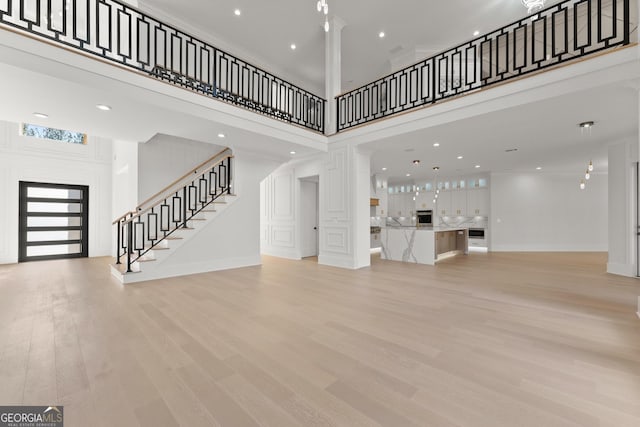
pixel 53 221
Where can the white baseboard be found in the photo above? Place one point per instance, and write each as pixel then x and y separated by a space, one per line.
pixel 282 253
pixel 192 268
pixel 628 270
pixel 346 261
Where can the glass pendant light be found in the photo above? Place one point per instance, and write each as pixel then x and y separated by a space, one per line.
pixel 326 26
pixel 590 166
pixel 587 175
pixel 319 6
pixel 583 185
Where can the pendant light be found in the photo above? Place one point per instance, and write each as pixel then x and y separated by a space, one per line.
pixel 323 7
pixel 587 175
pixel 583 185
pixel 533 5
pixel 590 166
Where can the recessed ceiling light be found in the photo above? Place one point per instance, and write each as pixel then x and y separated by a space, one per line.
pixel 586 124
pixel 103 107
pixel 384 169
pixel 460 157
pixel 538 168
pixel 476 33
pixel 510 150
pixel 437 144
pixel 477 166
pixel 41 115
pixel 237 12
pixel 408 174
pixel 381 34
pixel 222 135
pixel 293 46
pixel 292 153
pixel 416 162
pixel 436 168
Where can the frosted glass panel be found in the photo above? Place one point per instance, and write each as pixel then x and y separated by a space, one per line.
pixel 36 221
pixel 54 207
pixel 53 250
pixel 44 236
pixel 54 193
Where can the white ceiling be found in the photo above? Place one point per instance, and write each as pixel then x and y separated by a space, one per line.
pixel 266 29
pixel 546 134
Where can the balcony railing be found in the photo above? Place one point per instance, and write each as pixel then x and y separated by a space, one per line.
pixel 561 33
pixel 117 32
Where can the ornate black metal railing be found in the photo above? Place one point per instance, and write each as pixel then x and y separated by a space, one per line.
pixel 159 217
pixel 561 33
pixel 120 33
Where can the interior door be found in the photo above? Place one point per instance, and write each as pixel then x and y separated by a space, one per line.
pixel 309 222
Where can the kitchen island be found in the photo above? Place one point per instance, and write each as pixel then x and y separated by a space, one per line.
pixel 426 245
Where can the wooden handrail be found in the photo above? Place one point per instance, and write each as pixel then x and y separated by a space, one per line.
pixel 165 194
pixel 122 217
pixel 139 209
pixel 186 175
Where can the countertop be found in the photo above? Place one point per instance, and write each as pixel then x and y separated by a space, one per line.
pixel 413 227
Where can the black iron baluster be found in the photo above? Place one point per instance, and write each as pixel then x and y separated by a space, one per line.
pixel 119 225
pixel 129 245
pixel 184 207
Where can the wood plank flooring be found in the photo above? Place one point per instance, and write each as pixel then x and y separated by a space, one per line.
pixel 493 340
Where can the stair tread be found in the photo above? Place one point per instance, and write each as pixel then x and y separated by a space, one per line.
pixel 174 238
pixel 156 249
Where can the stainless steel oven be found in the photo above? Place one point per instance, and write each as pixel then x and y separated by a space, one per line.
pixel 424 218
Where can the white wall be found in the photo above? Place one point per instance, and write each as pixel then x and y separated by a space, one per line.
pixel 231 239
pixel 32 159
pixel 344 213
pixel 164 158
pixel 280 222
pixel 548 212
pixel 125 177
pixel 621 202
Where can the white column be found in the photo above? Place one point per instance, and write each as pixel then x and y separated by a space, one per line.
pixel 623 202
pixel 344 208
pixel 333 71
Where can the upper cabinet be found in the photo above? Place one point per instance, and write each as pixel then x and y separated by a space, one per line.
pixel 444 204
pixel 478 202
pixel 424 201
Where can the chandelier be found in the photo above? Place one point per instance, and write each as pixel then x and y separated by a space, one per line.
pixel 323 7
pixel 533 5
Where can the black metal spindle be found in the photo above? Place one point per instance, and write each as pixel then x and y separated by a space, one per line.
pixel 129 245
pixel 512 51
pixel 118 243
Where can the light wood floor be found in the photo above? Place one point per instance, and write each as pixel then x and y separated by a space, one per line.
pixel 512 340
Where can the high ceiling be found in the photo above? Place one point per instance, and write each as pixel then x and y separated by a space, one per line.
pixel 545 133
pixel 265 30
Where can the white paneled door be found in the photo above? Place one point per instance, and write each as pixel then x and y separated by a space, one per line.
pixel 309 218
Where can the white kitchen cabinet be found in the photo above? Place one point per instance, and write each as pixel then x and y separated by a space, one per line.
pixel 459 203
pixel 424 201
pixel 478 202
pixel 401 204
pixel 444 204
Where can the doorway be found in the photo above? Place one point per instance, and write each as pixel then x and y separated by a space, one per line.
pixel 53 221
pixel 309 217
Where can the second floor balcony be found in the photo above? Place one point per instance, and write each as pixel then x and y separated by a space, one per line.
pixel 566 32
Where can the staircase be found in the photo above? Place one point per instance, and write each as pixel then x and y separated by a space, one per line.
pixel 161 224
